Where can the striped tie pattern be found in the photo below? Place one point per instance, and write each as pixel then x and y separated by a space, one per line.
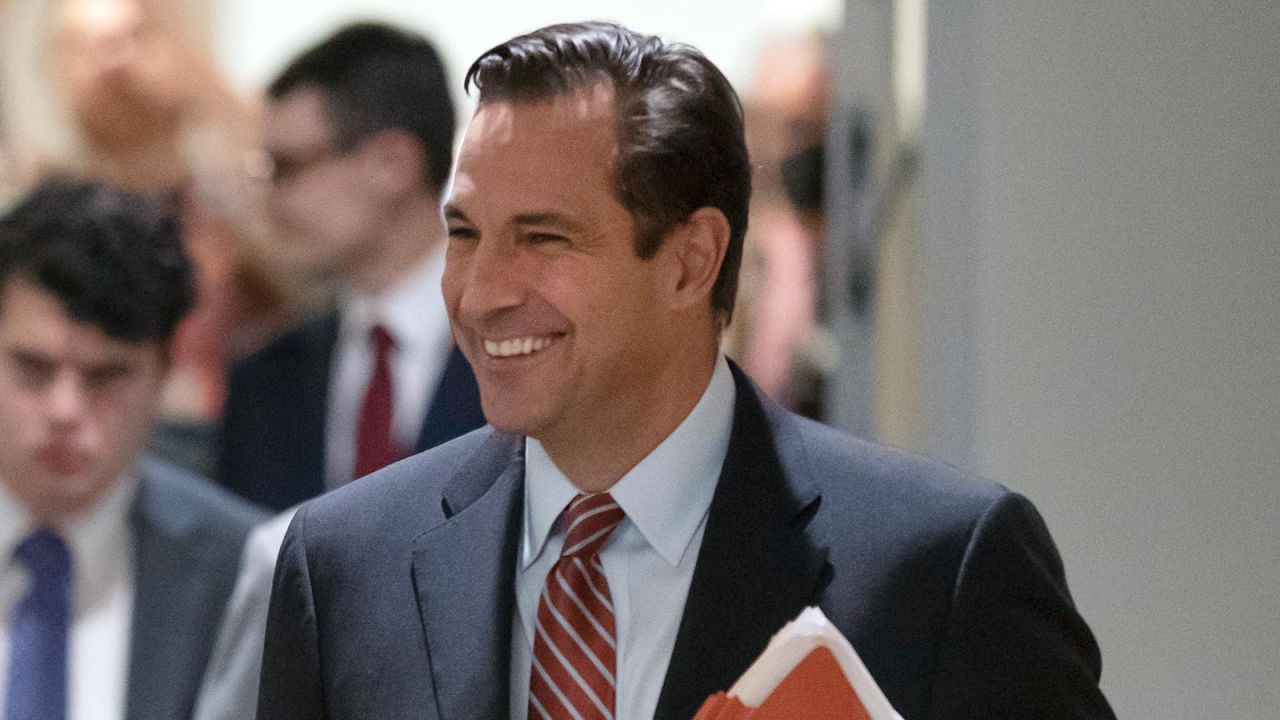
pixel 574 646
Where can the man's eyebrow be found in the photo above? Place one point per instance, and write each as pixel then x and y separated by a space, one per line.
pixel 548 219
pixel 543 218
pixel 451 212
pixel 29 355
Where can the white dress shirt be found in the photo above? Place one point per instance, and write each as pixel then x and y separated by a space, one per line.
pixel 648 561
pixel 229 690
pixel 413 312
pixel 101 546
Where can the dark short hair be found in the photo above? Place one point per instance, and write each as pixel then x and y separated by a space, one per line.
pixel 377 77
pixel 111 257
pixel 680 144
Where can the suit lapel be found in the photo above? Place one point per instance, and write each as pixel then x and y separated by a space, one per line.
pixel 298 384
pixel 309 445
pixel 168 643
pixel 756 568
pixel 464 577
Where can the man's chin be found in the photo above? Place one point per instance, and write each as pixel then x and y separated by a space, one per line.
pixel 506 424
pixel 66 503
pixel 510 417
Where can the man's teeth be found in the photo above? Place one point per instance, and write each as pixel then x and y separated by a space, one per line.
pixel 515 346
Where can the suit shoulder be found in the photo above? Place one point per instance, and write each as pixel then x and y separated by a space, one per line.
pixel 310 339
pixel 890 517
pixel 858 475
pixel 406 492
pixel 183 503
pixel 851 470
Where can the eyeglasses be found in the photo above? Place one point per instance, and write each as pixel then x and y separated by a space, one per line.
pixel 279 168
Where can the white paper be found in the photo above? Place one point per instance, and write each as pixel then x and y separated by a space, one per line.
pixel 810 630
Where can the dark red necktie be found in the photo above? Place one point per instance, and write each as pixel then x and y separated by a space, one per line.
pixel 375 446
pixel 574 646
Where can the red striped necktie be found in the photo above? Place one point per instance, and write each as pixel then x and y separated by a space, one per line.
pixel 574 646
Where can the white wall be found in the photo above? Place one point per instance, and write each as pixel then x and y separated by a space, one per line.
pixel 1101 214
pixel 255 38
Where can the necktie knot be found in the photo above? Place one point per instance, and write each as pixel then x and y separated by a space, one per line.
pixel 46 557
pixel 381 338
pixel 590 519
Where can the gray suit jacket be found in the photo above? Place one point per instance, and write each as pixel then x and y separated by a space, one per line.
pixel 394 596
pixel 187 539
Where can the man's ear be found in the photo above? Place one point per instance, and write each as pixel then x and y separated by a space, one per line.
pixel 395 160
pixel 699 246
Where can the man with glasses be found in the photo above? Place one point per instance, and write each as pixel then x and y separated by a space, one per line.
pixel 358 132
pixel 358 140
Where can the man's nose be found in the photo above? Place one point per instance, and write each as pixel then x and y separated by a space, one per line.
pixel 493 281
pixel 66 400
pixel 277 208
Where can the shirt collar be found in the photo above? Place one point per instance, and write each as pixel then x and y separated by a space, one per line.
pixel 88 535
pixel 412 310
pixel 666 495
pixel 15 523
pixel 95 534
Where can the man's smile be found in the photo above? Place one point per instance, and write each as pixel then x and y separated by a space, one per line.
pixel 513 347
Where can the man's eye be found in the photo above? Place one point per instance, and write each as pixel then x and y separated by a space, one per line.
pixel 101 377
pixel 31 371
pixel 544 238
pixel 462 233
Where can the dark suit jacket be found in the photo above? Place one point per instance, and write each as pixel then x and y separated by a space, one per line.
pixel 188 534
pixel 272 444
pixel 393 597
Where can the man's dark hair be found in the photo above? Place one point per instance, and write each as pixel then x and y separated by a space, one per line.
pixel 111 257
pixel 680 144
pixel 377 77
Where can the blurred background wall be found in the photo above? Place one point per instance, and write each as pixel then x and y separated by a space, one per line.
pixel 1098 267
pixel 1077 293
pixel 254 38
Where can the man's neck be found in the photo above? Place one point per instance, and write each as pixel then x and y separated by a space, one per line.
pixel 60 515
pixel 596 454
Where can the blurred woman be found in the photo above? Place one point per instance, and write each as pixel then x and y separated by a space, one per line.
pixel 118 90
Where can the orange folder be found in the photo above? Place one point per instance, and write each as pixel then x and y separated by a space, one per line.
pixel 809 671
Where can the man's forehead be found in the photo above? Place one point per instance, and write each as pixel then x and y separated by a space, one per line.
pixel 530 156
pixel 35 321
pixel 300 114
pixel 505 122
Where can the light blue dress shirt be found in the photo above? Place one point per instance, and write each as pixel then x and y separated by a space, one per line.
pixel 649 560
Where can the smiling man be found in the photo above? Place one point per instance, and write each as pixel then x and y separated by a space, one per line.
pixel 596 351
pixel 639 519
pixel 114 571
